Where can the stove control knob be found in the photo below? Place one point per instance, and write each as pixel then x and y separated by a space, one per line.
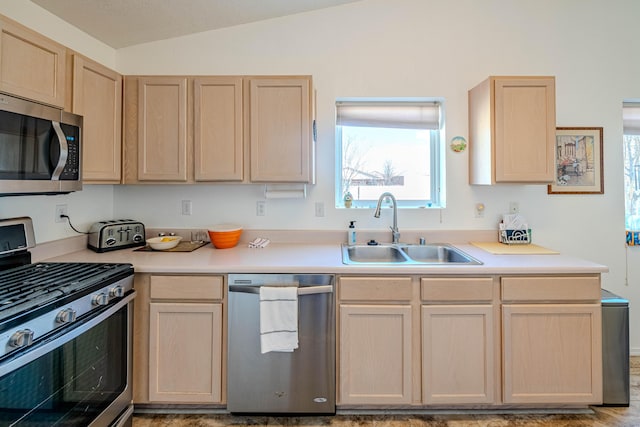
pixel 100 299
pixel 21 338
pixel 68 315
pixel 116 291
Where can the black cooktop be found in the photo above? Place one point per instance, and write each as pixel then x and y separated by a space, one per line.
pixel 47 285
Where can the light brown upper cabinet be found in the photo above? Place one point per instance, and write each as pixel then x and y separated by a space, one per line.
pixel 31 65
pixel 183 130
pixel 162 129
pixel 280 130
pixel 234 129
pixel 97 96
pixel 218 130
pixel 512 123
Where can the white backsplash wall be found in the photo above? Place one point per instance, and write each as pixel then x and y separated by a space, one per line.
pixel 93 203
pixel 421 48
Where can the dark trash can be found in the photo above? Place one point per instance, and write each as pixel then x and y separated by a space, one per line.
pixel 615 350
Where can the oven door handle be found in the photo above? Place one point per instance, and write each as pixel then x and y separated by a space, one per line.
pixel 31 354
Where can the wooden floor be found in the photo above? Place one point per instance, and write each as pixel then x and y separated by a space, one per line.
pixel 601 417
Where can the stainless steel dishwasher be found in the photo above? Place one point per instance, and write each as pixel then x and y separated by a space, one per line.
pixel 302 381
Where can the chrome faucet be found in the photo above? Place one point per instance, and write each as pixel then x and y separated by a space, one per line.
pixel 394 229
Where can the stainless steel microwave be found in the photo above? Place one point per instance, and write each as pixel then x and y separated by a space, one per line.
pixel 40 148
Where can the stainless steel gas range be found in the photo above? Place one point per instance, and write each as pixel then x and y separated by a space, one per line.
pixel 65 338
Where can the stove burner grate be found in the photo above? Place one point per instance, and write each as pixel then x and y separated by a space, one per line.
pixel 25 288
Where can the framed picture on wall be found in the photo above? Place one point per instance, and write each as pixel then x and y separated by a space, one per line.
pixel 578 161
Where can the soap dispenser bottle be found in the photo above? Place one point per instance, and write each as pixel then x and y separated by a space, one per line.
pixel 351 235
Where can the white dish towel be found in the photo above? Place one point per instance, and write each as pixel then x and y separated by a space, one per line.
pixel 278 318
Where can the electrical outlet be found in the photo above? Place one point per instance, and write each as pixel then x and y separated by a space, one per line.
pixel 514 207
pixel 319 209
pixel 261 207
pixel 187 207
pixel 61 210
pixel 480 207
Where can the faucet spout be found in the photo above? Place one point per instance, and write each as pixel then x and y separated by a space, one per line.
pixel 394 228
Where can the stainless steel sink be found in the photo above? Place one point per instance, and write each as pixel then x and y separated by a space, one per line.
pixel 394 254
pixel 437 254
pixel 380 254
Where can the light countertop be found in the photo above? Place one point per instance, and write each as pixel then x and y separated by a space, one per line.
pixel 322 258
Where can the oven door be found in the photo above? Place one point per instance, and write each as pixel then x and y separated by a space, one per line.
pixel 80 377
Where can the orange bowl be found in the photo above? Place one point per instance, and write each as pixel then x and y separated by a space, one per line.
pixel 225 236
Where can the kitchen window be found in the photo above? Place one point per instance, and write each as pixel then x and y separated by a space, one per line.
pixel 631 149
pixel 389 145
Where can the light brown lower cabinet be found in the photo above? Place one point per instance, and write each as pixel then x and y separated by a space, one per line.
pixel 529 341
pixel 402 341
pixel 457 354
pixel 375 354
pixel 375 341
pixel 458 340
pixel 552 340
pixel 185 358
pixel 183 355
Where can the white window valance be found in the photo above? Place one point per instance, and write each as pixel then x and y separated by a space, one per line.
pixel 403 115
pixel 631 118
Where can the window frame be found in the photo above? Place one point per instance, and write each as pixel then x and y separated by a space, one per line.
pixel 631 129
pixel 437 160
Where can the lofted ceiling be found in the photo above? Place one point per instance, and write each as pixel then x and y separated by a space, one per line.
pixel 122 23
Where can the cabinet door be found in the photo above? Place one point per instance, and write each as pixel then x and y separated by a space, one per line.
pixel 185 352
pixel 218 143
pixel 525 124
pixel 31 65
pixel 457 354
pixel 97 96
pixel 162 129
pixel 280 130
pixel 375 354
pixel 552 353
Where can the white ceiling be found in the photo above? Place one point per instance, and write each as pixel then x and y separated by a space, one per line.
pixel 121 23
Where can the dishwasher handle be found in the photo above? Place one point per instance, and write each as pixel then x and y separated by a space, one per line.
pixel 306 290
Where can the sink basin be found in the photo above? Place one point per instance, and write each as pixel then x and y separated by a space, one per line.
pixel 381 254
pixel 394 254
pixel 437 254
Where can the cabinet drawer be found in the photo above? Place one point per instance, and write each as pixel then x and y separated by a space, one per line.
pixel 186 287
pixel 375 288
pixel 456 289
pixel 561 288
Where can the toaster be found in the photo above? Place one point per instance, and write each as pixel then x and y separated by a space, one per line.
pixel 115 234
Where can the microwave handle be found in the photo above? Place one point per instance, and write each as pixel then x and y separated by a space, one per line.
pixel 64 151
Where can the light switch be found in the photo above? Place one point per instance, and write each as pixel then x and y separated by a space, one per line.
pixel 187 207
